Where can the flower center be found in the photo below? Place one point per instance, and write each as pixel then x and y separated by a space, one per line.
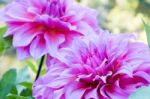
pixel 100 69
pixel 94 80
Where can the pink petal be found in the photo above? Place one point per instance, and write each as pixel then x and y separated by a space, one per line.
pixel 24 36
pixel 74 91
pixel 22 52
pixel 117 93
pixel 143 75
pixel 58 82
pixel 12 29
pixel 18 12
pixel 53 42
pixel 92 94
pixel 38 47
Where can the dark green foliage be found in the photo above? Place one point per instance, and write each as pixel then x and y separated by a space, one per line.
pixel 5 43
pixel 7 83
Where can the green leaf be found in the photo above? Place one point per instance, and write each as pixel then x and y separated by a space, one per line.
pixel 32 65
pixel 26 92
pixel 13 96
pixel 8 42
pixel 27 85
pixel 2 31
pixel 14 90
pixel 7 82
pixel 43 72
pixel 23 76
pixel 5 43
pixel 141 93
pixel 2 48
pixel 147 29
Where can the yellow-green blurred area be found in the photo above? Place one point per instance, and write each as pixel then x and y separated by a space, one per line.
pixel 122 16
pixel 116 16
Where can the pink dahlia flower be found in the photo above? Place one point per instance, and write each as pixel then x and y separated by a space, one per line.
pixel 112 67
pixel 39 27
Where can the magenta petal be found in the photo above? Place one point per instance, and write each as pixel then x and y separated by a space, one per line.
pixel 117 93
pixel 58 82
pixel 53 42
pixel 12 30
pixel 92 94
pixel 144 75
pixel 23 37
pixel 69 38
pixel 58 94
pixel 52 18
pixel 106 67
pixel 9 32
pixel 18 12
pixel 74 91
pixel 38 47
pixel 23 52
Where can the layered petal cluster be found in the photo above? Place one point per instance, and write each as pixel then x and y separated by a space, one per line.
pixel 110 67
pixel 39 27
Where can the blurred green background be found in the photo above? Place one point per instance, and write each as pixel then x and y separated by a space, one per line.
pixel 116 16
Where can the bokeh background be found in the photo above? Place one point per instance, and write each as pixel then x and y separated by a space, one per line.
pixel 116 16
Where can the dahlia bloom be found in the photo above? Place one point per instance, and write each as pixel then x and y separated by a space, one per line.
pixel 39 27
pixel 112 67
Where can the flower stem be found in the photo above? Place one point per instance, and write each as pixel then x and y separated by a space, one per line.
pixel 40 68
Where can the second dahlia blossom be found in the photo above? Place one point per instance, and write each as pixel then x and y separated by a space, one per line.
pixel 39 27
pixel 112 67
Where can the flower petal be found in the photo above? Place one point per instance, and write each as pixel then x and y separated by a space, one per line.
pixel 53 42
pixel 22 52
pixel 38 47
pixel 24 36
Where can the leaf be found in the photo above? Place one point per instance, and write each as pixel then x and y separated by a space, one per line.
pixel 43 72
pixel 14 90
pixel 26 92
pixel 5 43
pixel 23 76
pixel 7 82
pixel 2 48
pixel 147 29
pixel 23 88
pixel 2 31
pixel 13 96
pixel 32 65
pixel 8 42
pixel 27 85
pixel 141 93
